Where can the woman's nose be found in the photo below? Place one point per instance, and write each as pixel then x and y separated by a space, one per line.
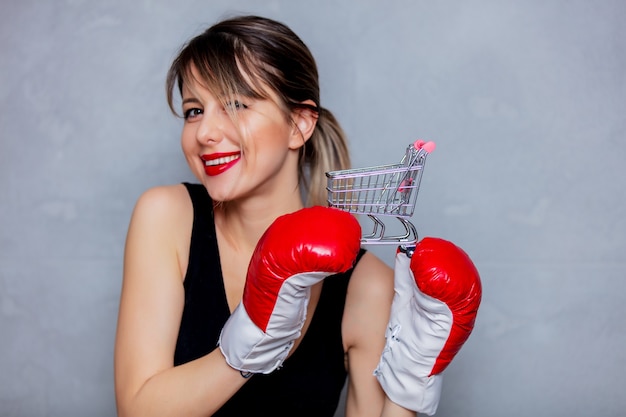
pixel 210 128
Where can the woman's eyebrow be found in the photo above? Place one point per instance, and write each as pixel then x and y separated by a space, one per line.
pixel 190 100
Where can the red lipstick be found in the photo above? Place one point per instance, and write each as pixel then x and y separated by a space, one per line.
pixel 216 163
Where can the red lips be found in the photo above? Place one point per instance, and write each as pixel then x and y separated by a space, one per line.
pixel 216 163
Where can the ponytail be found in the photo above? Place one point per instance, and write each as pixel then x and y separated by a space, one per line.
pixel 326 150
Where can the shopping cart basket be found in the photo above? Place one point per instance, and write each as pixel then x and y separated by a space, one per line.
pixel 385 190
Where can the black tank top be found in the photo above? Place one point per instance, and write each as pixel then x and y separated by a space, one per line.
pixel 310 381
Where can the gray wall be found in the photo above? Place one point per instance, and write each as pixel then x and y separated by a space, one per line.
pixel 526 101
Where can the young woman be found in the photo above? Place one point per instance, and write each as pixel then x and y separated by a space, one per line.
pixel 257 139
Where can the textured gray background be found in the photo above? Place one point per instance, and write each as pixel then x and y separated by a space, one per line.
pixel 525 99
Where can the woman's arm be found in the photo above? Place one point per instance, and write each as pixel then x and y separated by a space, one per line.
pixel 365 320
pixel 366 314
pixel 146 381
pixel 392 409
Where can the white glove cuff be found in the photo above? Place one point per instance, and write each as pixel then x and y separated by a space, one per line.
pixel 247 349
pixel 402 389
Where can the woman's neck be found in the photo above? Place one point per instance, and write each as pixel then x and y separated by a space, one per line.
pixel 243 222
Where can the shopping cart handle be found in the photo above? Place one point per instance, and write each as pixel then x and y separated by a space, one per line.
pixel 422 144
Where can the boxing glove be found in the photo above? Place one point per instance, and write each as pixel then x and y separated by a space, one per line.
pixel 297 251
pixel 437 296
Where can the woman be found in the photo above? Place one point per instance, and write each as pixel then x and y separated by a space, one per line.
pixel 257 139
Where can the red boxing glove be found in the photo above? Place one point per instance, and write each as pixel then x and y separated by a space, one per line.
pixel 297 251
pixel 438 292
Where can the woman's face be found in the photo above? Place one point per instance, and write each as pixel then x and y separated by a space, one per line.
pixel 256 155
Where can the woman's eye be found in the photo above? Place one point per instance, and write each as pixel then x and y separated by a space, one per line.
pixel 191 113
pixel 236 105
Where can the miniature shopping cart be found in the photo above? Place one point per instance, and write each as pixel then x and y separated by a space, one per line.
pixel 385 190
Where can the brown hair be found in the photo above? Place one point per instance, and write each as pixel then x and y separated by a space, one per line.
pixel 270 54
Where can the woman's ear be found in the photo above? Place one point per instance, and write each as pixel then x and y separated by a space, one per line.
pixel 304 120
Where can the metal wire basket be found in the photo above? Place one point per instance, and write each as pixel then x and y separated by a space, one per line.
pixel 384 190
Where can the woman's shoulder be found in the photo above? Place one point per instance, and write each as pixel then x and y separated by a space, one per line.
pixel 372 275
pixel 368 303
pixel 371 286
pixel 163 200
pixel 165 206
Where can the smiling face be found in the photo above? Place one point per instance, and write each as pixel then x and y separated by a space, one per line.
pixel 239 146
pixel 261 74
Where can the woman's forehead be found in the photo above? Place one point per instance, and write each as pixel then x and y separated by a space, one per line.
pixel 194 81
